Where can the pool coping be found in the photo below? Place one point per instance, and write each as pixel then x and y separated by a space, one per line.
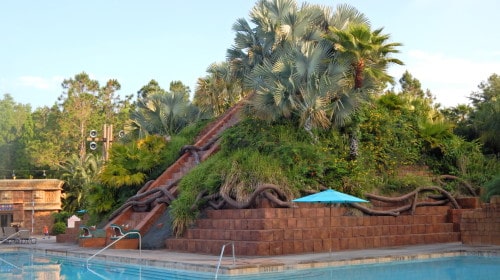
pixel 247 265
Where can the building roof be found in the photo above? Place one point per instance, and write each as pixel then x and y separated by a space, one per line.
pixel 31 184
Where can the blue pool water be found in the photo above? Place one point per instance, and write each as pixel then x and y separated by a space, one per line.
pixel 22 265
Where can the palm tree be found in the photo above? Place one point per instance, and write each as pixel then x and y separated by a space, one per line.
pixel 163 114
pixel 78 173
pixel 288 65
pixel 365 51
pixel 366 56
pixel 298 84
pixel 218 91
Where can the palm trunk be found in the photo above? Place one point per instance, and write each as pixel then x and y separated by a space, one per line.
pixel 354 141
pixel 354 133
pixel 359 67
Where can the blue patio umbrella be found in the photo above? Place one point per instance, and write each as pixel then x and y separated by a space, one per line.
pixel 330 197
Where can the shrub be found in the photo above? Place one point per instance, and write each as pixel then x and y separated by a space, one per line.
pixel 61 216
pixel 58 228
pixel 492 188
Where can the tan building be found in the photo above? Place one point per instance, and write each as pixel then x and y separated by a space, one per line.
pixel 29 203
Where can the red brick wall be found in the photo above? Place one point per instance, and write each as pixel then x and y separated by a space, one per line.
pixel 312 228
pixel 482 225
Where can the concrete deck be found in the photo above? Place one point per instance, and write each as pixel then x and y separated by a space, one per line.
pixel 251 265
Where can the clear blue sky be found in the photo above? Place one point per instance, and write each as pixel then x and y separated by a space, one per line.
pixel 449 45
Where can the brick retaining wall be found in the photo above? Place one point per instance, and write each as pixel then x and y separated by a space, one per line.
pixel 482 225
pixel 312 228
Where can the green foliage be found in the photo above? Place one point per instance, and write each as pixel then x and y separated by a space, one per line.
pixel 130 163
pixel 492 188
pixel 78 173
pixel 160 112
pixel 46 148
pixel 245 167
pixel 305 83
pixel 102 200
pixel 58 228
pixel 218 91
pixel 389 137
pixel 299 161
pixel 182 212
pixel 396 130
pixel 483 122
pixel 397 185
pixel 15 131
pixel 61 216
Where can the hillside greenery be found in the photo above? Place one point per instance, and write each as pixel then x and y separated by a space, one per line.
pixel 321 111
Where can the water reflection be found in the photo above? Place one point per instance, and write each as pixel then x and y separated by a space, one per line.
pixel 27 266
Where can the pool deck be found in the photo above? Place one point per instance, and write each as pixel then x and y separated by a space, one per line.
pixel 254 264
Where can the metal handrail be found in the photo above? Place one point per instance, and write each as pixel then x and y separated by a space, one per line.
pixel 220 257
pixel 112 243
pixel 97 274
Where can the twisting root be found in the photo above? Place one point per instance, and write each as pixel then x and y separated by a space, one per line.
pixel 251 200
pixel 464 183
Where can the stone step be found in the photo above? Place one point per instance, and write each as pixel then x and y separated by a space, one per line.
pixel 280 247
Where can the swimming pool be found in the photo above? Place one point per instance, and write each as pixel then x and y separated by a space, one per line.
pixel 25 265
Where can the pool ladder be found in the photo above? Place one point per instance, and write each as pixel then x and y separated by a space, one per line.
pixel 222 254
pixel 112 243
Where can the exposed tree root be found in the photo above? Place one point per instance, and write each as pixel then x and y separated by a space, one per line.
pixel 194 150
pixel 272 192
pixel 413 194
pixel 411 200
pixel 146 200
pixel 440 179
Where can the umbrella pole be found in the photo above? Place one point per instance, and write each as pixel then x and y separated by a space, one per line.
pixel 330 229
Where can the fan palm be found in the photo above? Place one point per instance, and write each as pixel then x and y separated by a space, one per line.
pixel 298 77
pixel 366 56
pixel 218 91
pixel 162 113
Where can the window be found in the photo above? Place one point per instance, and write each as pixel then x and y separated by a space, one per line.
pixel 6 220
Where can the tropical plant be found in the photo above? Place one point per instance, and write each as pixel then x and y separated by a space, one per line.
pixel 366 56
pixel 179 87
pixel 287 63
pixel 218 91
pixel 78 173
pixel 492 188
pixel 162 113
pixel 131 163
pixel 101 201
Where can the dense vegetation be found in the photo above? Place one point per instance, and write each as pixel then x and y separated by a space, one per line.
pixel 318 114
